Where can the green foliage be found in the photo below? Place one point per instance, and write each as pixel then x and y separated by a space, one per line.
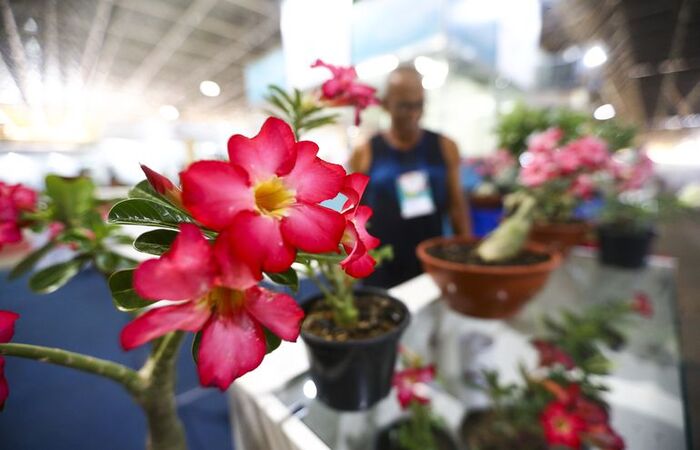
pixel 417 432
pixel 640 214
pixel 288 278
pixel 151 213
pixel 514 128
pixel 123 294
pixel 71 199
pixel 155 242
pixel 302 112
pixel 52 278
pixel 28 263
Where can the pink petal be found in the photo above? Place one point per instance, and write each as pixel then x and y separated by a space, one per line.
pixel 238 270
pixel 313 228
pixel 9 233
pixel 7 325
pixel 158 322
pixel 277 312
pixel 271 152
pixel 314 179
pixel 23 197
pixel 214 192
pixel 230 347
pixel 162 185
pixel 359 263
pixel 362 215
pixel 260 238
pixel 354 186
pixel 184 272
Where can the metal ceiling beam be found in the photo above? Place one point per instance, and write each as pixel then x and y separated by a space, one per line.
pixel 264 8
pixel 52 60
pixel 16 61
pixel 168 45
pixel 677 40
pixel 96 38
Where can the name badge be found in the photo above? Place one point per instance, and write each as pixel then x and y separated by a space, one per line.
pixel 415 196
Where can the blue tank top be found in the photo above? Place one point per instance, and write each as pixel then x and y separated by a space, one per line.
pixel 388 163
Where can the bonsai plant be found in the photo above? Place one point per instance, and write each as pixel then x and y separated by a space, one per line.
pixel 561 177
pixel 493 278
pixel 421 429
pixel 560 404
pixel 230 222
pixel 351 333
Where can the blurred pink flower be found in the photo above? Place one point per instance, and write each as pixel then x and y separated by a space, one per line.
pixel 583 186
pixel 545 141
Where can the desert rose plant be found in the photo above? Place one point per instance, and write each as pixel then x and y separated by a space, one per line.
pixel 560 403
pixel 498 172
pixel 214 238
pixel 560 176
pixel 16 201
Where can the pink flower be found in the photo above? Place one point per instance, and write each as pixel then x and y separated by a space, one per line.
pixel 55 228
pixel 7 330
pixel 356 240
pixel 539 170
pixel 343 89
pixel 14 199
pixel 545 141
pixel 409 383
pixel 592 152
pixel 267 195
pixel 568 160
pixel 220 298
pixel 163 186
pixel 550 355
pixel 636 176
pixel 642 305
pixel 583 186
pixel 562 427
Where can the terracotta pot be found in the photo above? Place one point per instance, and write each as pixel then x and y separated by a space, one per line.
pixel 560 236
pixel 488 292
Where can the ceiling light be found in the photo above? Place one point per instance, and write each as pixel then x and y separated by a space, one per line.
pixel 169 112
pixel 604 112
pixel 209 88
pixel 594 57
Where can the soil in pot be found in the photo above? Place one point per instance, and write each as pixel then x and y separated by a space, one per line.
pixel 479 432
pixel 624 247
pixel 388 438
pixel 352 369
pixel 463 253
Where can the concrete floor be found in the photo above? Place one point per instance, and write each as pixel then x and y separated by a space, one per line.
pixel 681 238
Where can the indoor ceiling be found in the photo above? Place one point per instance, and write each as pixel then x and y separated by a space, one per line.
pixel 146 53
pixel 653 69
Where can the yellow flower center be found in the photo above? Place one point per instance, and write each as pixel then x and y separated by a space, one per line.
pixel 272 197
pixel 223 300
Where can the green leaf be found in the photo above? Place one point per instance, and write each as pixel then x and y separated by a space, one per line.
pixel 155 242
pixel 53 277
pixel 123 294
pixel 72 198
pixel 272 341
pixel 195 346
pixel 30 261
pixel 144 190
pixel 147 212
pixel 288 278
pixel 333 258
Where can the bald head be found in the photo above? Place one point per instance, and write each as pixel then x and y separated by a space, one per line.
pixel 403 99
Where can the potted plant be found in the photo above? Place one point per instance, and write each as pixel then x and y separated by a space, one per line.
pixel 420 429
pixel 560 177
pixel 626 226
pixel 560 404
pixel 496 277
pixel 498 173
pixel 351 333
pixel 213 239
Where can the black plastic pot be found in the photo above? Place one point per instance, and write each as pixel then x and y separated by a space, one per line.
pixel 388 438
pixel 621 247
pixel 354 375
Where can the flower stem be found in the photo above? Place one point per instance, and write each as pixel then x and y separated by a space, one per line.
pixel 129 378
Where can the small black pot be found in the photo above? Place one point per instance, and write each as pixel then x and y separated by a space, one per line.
pixel 354 375
pixel 388 438
pixel 624 248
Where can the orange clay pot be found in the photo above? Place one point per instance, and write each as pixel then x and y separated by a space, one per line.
pixel 560 236
pixel 487 292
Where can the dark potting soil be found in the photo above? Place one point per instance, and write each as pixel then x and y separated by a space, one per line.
pixel 377 316
pixel 388 438
pixel 463 253
pixel 478 431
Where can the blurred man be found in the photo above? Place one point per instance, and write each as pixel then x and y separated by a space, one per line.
pixel 414 180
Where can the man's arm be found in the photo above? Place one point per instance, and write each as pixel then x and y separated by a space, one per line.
pixel 361 158
pixel 458 208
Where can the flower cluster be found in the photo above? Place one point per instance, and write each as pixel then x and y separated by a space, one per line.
pixel 14 200
pixel 7 329
pixel 260 209
pixel 411 382
pixel 498 169
pixel 546 161
pixel 343 89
